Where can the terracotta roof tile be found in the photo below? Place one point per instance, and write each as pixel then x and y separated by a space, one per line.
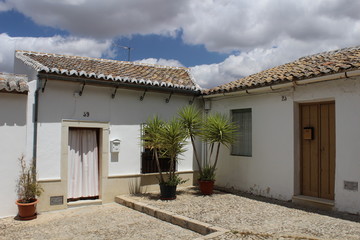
pixel 131 72
pixel 316 65
pixel 13 83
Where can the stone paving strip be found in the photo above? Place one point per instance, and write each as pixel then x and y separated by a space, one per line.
pixel 250 217
pixel 182 221
pixel 109 221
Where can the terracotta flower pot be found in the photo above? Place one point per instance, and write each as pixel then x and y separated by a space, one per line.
pixel 27 211
pixel 167 192
pixel 206 187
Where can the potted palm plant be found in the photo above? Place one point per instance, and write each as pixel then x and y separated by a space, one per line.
pixel 166 139
pixel 215 130
pixel 27 189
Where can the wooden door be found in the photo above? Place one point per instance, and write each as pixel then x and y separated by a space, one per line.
pixel 317 122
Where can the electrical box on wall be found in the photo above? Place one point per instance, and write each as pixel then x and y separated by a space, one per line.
pixel 115 146
pixel 207 104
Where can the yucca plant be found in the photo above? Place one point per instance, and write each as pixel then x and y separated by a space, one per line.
pixel 173 141
pixel 191 119
pixel 152 140
pixel 166 139
pixel 217 130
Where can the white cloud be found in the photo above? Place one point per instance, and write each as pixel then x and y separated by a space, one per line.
pixel 220 25
pixel 161 61
pixel 56 44
pixel 243 25
pixel 107 19
pixel 257 34
pixel 4 6
pixel 254 61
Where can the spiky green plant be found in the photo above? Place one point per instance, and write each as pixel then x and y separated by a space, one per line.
pixel 152 139
pixel 207 173
pixel 27 187
pixel 191 119
pixel 167 139
pixel 217 130
pixel 173 141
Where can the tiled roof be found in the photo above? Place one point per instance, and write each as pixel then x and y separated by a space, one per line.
pixel 317 65
pixel 110 70
pixel 13 83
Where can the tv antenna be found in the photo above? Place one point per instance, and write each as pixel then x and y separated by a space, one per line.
pixel 128 49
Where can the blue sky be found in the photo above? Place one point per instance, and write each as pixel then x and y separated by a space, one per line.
pixel 143 46
pixel 219 40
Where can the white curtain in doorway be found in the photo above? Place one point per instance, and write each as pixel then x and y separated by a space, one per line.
pixel 83 169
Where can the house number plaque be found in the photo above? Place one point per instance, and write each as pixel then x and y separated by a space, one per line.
pixel 86 114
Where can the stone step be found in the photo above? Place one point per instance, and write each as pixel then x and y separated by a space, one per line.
pixel 314 202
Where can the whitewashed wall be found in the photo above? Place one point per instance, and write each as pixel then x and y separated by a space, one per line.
pixel 12 146
pixel 125 113
pixel 273 169
pixel 346 94
pixel 269 171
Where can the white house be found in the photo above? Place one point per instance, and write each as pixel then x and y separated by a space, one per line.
pixel 298 138
pixel 81 107
pixel 13 95
pixel 299 134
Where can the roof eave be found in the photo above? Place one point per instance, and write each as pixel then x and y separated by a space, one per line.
pixel 118 84
pixel 284 85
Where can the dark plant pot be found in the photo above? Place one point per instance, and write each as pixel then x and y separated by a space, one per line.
pixel 27 211
pixel 167 192
pixel 206 187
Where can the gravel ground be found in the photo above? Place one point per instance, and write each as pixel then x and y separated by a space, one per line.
pixel 250 217
pixel 110 221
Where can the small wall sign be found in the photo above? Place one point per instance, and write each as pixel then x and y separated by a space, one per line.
pixel 86 114
pixel 56 200
pixel 352 186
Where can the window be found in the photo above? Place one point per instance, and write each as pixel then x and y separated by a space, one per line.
pixel 148 163
pixel 243 137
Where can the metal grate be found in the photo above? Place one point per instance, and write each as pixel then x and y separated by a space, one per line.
pixel 148 163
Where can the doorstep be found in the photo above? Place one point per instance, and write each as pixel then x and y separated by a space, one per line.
pixel 320 203
pixel 82 203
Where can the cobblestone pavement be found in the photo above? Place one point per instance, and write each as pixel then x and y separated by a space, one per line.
pixel 251 217
pixel 110 221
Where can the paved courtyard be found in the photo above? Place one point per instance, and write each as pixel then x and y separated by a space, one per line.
pixel 110 221
pixel 251 217
pixel 245 216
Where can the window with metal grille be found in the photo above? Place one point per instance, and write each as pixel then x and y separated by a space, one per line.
pixel 242 145
pixel 148 163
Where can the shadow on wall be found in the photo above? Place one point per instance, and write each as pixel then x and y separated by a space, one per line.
pixel 58 102
pixel 12 109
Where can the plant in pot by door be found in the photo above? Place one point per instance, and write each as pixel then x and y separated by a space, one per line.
pixel 168 140
pixel 27 189
pixel 215 130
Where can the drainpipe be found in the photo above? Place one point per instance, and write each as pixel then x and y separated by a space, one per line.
pixel 35 120
pixel 288 85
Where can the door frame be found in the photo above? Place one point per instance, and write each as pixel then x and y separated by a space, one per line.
pixel 300 144
pixel 103 128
